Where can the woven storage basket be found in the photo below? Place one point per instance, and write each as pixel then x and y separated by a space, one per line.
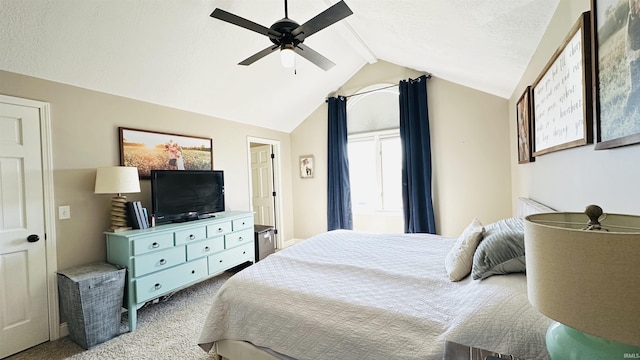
pixel 91 301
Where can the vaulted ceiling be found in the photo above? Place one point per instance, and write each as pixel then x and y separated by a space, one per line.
pixel 173 53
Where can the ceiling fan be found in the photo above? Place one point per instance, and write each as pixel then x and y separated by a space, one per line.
pixel 288 36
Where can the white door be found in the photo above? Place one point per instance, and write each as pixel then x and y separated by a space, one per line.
pixel 262 185
pixel 23 264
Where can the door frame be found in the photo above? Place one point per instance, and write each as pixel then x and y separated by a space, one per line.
pixel 46 151
pixel 277 174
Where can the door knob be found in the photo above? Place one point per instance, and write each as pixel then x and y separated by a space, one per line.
pixel 33 238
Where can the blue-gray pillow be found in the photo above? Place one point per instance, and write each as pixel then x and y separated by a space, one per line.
pixel 501 251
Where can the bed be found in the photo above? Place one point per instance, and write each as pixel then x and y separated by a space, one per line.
pixel 350 295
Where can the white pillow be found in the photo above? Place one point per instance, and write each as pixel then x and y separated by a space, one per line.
pixel 459 261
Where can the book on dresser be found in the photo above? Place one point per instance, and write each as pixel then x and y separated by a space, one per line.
pixel 131 215
pixel 136 215
pixel 142 215
pixel 169 257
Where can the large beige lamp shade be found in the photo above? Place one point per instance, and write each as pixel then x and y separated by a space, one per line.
pixel 117 180
pixel 587 280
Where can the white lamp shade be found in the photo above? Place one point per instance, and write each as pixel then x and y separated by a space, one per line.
pixel 587 280
pixel 117 180
pixel 287 58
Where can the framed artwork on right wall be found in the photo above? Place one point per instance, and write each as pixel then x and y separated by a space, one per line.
pixel 616 38
pixel 562 101
pixel 523 125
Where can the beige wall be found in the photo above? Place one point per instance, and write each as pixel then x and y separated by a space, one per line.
pixel 470 145
pixel 85 136
pixel 470 152
pixel 571 179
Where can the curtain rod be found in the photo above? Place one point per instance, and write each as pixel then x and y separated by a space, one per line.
pixel 372 90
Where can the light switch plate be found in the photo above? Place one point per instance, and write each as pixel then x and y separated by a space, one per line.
pixel 64 212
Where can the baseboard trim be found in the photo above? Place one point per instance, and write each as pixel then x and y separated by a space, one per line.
pixel 64 330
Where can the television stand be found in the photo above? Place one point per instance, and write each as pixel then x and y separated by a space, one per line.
pixel 166 258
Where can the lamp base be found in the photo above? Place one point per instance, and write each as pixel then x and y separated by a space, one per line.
pixel 119 214
pixel 566 343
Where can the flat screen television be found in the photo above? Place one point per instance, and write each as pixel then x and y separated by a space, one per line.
pixel 184 195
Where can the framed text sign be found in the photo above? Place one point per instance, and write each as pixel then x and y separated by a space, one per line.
pixel 562 97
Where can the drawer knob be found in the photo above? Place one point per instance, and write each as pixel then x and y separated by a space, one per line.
pixel 220 260
pixel 163 261
pixel 244 252
pixel 193 271
pixel 219 230
pixel 191 236
pixel 206 248
pixel 155 245
pixel 158 286
pixel 240 238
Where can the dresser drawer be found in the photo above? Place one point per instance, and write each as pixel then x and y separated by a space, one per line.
pixel 243 253
pixel 219 229
pixel 154 285
pixel 158 260
pixel 238 238
pixel 204 248
pixel 190 235
pixel 149 243
pixel 229 258
pixel 244 223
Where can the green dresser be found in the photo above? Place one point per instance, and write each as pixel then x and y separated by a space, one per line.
pixel 166 258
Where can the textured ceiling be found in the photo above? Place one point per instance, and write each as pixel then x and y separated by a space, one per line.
pixel 172 53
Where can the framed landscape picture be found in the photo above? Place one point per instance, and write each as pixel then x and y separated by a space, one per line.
pixel 616 31
pixel 152 150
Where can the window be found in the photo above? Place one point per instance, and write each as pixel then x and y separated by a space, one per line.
pixel 375 170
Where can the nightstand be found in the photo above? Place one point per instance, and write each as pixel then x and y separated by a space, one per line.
pixel 455 351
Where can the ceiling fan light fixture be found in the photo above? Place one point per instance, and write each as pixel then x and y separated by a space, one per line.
pixel 287 56
pixel 288 36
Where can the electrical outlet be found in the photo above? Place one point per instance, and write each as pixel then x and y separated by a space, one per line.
pixel 64 212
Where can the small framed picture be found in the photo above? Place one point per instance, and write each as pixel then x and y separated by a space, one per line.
pixel 523 118
pixel 307 169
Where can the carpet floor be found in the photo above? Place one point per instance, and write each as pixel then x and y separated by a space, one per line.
pixel 167 330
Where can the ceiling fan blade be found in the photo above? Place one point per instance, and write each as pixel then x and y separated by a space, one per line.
pixel 313 56
pixel 242 22
pixel 326 18
pixel 259 55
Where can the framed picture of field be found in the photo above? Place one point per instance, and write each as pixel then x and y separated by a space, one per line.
pixel 616 25
pixel 152 150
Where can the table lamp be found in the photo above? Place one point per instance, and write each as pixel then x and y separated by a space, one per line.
pixel 117 180
pixel 583 271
